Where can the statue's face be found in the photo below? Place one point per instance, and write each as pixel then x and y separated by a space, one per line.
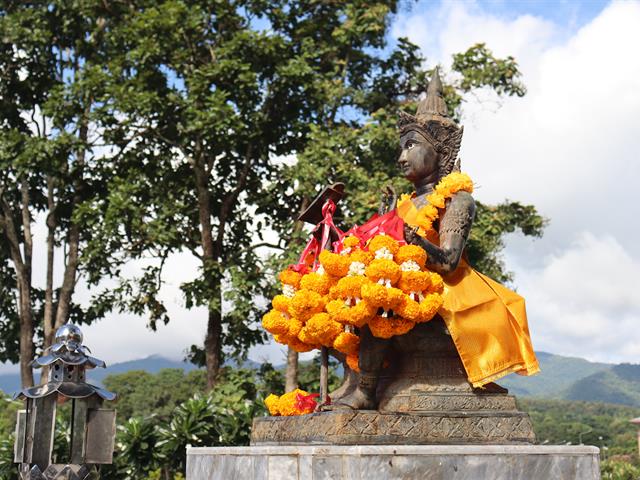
pixel 418 159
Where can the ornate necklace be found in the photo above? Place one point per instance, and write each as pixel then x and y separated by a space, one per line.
pixel 446 188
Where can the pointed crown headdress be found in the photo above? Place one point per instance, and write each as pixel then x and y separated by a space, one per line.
pixel 432 120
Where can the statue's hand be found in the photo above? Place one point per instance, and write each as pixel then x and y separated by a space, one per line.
pixel 411 235
pixel 388 199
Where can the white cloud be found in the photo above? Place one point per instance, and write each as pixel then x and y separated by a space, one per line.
pixel 568 147
pixel 584 301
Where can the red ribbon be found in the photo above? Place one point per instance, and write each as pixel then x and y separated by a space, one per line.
pixel 309 256
pixel 389 224
pixel 308 403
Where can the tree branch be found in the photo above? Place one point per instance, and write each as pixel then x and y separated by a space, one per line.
pixel 227 204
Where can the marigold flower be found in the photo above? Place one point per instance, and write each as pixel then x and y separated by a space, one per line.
pixel 347 343
pixel 348 287
pixel 271 402
pixel 353 362
pixel 290 277
pixel 282 339
pixel 436 200
pixel 275 322
pixel 295 325
pixel 359 315
pixel 322 329
pixel 415 281
pixel 429 307
pixel 383 269
pixel 305 304
pixel 401 325
pixel 411 252
pixel 300 346
pixel 383 327
pixel 304 337
pixel 382 297
pixel 454 183
pixel 361 256
pixel 351 241
pixel 288 403
pixel 334 306
pixel 429 212
pixel 382 241
pixel 281 303
pixel 437 284
pixel 316 283
pixel 334 264
pixel 408 308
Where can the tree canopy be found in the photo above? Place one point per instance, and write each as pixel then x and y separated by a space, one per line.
pixel 137 130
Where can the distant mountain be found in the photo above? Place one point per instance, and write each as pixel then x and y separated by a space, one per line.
pixel 569 378
pixel 10 382
pixel 561 378
pixel 556 374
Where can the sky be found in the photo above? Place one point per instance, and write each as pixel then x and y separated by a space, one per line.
pixel 568 147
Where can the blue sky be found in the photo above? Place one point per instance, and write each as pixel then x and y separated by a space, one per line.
pixel 569 13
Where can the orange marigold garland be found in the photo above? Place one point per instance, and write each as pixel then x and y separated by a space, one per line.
pixel 446 188
pixel 347 343
pixel 383 283
pixel 353 362
pixel 321 329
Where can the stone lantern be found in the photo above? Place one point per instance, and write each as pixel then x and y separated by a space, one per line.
pixel 92 427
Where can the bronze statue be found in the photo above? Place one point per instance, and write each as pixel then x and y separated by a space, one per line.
pixel 433 384
pixel 429 143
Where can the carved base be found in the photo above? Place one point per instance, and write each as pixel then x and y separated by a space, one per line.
pixel 378 428
pixel 59 472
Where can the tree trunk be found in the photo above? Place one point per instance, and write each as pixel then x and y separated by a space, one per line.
pixel 212 347
pixel 26 333
pixel 73 238
pixel 291 376
pixel 48 323
pixel 23 285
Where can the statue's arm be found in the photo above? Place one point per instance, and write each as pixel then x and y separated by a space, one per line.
pixel 455 226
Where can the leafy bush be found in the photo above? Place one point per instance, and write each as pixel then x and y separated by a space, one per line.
pixel 619 470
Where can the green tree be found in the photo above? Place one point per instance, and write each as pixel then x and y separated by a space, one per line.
pixel 196 104
pixel 216 94
pixel 142 394
pixel 56 150
pixel 214 100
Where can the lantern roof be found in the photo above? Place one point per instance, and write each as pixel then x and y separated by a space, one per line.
pixel 67 358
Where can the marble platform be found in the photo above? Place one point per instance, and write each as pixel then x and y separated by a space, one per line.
pixel 394 462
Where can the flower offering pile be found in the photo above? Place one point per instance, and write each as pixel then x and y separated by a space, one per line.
pixel 370 276
pixel 297 402
pixel 383 284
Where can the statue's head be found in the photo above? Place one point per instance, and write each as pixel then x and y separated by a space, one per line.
pixel 430 140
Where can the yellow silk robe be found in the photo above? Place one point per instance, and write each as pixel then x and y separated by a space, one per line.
pixel 487 321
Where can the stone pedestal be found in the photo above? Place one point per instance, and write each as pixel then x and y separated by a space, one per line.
pixel 367 427
pixel 423 398
pixel 424 462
